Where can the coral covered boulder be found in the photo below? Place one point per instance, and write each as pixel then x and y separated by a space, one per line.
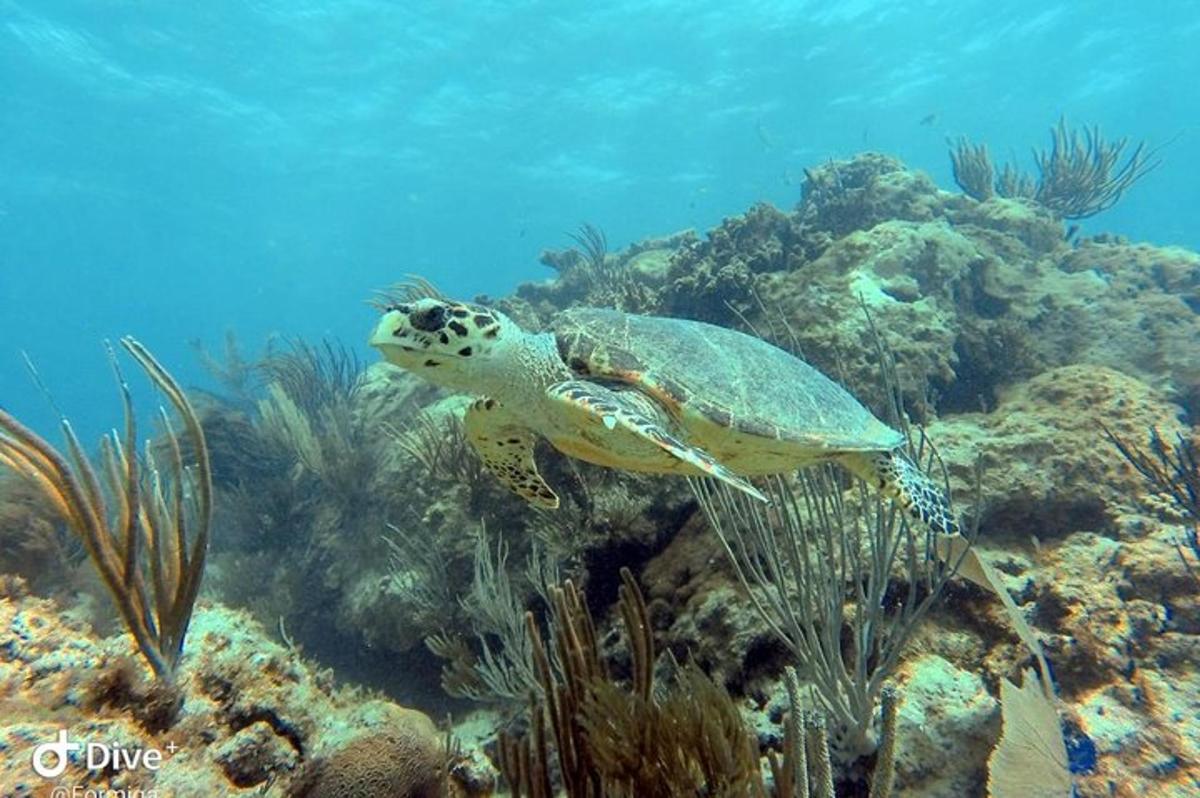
pixel 405 761
pixel 1048 466
pixel 249 712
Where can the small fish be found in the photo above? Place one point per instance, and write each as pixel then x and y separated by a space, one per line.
pixel 928 120
pixel 764 136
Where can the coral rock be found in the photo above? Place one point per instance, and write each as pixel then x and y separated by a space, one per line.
pixel 947 724
pixel 1048 468
pixel 252 710
pixel 843 196
pixel 254 754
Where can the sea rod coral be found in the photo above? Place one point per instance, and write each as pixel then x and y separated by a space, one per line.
pixel 1080 175
pixel 145 527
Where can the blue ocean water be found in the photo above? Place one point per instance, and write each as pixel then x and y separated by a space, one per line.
pixel 175 170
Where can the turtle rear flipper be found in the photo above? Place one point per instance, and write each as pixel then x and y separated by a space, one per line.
pixel 894 475
pixel 507 451
pixel 609 414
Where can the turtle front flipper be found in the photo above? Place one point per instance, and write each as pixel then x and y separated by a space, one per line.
pixel 507 451
pixel 616 426
pixel 898 477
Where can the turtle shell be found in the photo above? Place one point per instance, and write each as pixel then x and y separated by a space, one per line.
pixel 721 383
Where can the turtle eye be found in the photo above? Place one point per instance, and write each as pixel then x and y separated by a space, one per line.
pixel 430 320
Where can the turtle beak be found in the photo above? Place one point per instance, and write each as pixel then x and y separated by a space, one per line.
pixel 385 331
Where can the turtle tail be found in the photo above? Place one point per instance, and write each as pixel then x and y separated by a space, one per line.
pixel 894 475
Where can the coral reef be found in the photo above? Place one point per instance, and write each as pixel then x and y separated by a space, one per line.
pixel 680 740
pixel 252 713
pixel 1019 347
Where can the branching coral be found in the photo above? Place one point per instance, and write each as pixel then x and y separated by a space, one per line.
pixel 588 261
pixel 1173 470
pixel 145 529
pixel 972 167
pixel 418 568
pixel 436 440
pixel 819 570
pixel 695 738
pixel 295 454
pixel 315 377
pixel 594 276
pixel 1080 175
pixel 308 418
pixel 238 377
pixel 685 740
pixel 412 288
pixel 593 245
pixel 504 669
pixel 439 443
pixel 805 769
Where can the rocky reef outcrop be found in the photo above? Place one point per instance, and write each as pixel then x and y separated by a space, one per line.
pixel 1019 347
pixel 247 715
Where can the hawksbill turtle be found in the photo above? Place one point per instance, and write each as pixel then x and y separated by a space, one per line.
pixel 644 393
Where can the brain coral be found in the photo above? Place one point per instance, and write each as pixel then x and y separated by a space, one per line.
pixel 404 762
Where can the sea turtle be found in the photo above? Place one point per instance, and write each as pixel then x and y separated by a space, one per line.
pixel 644 393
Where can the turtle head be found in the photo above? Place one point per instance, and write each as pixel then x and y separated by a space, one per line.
pixel 457 345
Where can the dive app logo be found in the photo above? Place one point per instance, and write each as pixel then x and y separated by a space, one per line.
pixel 50 760
pixel 59 752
